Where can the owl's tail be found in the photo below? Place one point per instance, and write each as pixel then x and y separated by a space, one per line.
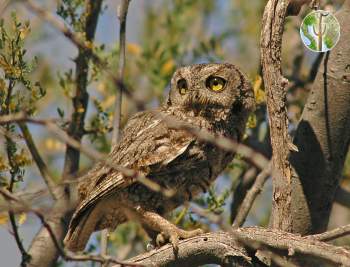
pixel 80 229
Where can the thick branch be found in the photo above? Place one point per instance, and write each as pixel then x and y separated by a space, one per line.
pixel 215 248
pixel 222 247
pixel 271 47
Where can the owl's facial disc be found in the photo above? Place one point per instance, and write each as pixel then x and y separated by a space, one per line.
pixel 210 88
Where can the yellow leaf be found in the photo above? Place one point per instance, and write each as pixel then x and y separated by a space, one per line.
pixel 3 165
pixel 49 143
pixel 101 87
pixel 22 218
pixel 251 123
pixel 22 159
pixel 24 32
pixel 3 218
pixel 133 49
pixel 108 102
pixel 54 145
pixel 2 85
pixel 168 66
pixel 89 44
pixel 259 93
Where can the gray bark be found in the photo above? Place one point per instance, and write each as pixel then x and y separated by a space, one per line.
pixel 323 137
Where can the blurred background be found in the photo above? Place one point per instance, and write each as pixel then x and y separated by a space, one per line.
pixel 161 36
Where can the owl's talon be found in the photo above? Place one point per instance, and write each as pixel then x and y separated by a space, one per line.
pixel 160 239
pixel 174 235
pixel 150 246
pixel 174 241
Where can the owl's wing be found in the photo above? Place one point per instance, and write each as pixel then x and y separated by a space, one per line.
pixel 146 141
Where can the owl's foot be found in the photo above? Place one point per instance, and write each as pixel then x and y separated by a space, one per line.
pixel 161 229
pixel 173 234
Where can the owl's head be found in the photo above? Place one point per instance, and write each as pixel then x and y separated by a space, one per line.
pixel 210 88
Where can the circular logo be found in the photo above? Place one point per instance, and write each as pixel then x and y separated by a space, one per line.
pixel 320 31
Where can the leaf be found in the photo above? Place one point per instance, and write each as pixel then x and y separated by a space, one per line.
pixel 168 67
pixel 3 218
pixel 258 92
pixel 22 218
pixel 133 49
pixel 251 123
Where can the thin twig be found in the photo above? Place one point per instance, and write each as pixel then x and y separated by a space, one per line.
pixel 246 181
pixel 81 98
pixel 256 158
pixel 25 255
pixel 222 142
pixel 44 170
pixel 13 172
pixel 122 14
pixel 263 252
pixel 251 196
pixel 47 16
pixel 333 234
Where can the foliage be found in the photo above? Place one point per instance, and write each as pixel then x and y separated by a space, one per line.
pixel 17 93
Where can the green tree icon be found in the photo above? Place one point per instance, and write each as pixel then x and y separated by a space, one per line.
pixel 320 31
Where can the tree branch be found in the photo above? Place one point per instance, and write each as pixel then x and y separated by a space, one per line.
pixel 228 248
pixel 222 142
pixel 71 36
pixel 216 248
pixel 253 192
pixel 44 171
pixel 245 183
pixel 122 13
pixel 333 234
pixel 342 197
pixel 81 98
pixel 271 47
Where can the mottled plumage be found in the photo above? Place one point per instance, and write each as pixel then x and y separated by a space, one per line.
pixel 215 97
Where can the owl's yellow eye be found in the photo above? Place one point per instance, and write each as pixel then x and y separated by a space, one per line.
pixel 215 83
pixel 182 86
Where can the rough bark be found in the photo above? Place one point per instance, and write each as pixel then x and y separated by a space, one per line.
pixel 323 137
pixel 228 249
pixel 275 86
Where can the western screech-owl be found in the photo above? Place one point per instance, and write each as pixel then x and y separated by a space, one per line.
pixel 215 97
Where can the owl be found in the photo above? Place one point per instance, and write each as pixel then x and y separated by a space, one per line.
pixel 214 97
